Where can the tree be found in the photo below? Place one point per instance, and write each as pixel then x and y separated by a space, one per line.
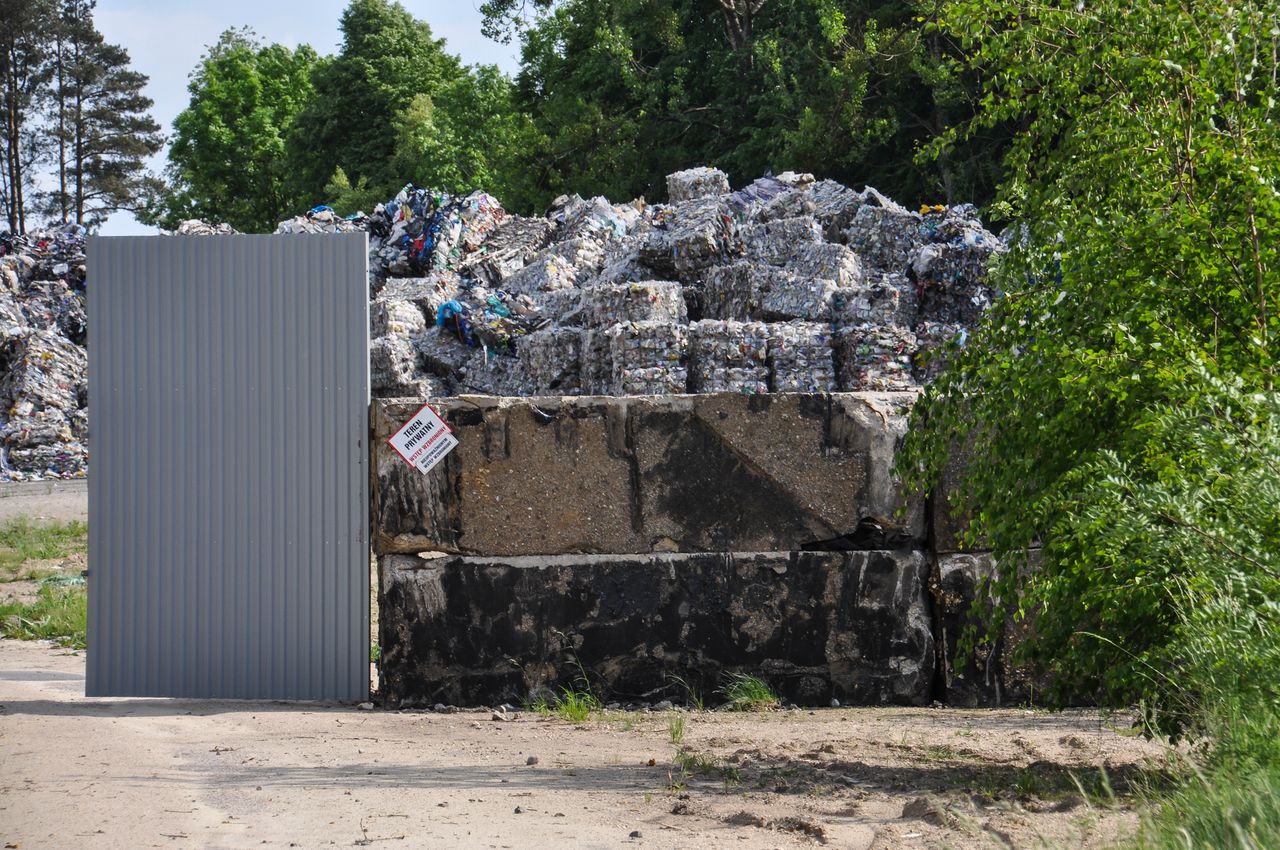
pixel 100 121
pixel 1146 183
pixel 387 59
pixel 227 161
pixel 24 69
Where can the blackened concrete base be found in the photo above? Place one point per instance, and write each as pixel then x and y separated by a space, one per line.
pixel 815 625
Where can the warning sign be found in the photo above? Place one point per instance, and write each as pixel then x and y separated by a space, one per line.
pixel 424 440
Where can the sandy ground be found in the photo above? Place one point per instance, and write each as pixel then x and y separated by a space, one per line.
pixel 99 773
pixel 45 500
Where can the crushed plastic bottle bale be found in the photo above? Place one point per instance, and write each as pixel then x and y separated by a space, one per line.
pixel 700 182
pixel 872 357
pixel 549 361
pixel 649 358
pixel 801 359
pixel 885 298
pixel 728 356
pixel 937 343
pixel 395 370
pixel 393 316
pixel 646 301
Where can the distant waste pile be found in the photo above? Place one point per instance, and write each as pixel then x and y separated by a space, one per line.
pixel 44 416
pixel 786 285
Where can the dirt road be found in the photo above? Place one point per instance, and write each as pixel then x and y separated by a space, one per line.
pixel 43 501
pixel 99 773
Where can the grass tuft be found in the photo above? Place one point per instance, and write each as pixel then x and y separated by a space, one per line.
pixel 748 693
pixel 22 540
pixel 59 613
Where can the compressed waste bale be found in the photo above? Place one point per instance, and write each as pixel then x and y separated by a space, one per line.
pixel 36 429
pixel 778 241
pixel 52 305
pixel 698 182
pixel 729 292
pixel 46 371
pixel 782 296
pixel 547 270
pixel 800 357
pixel 320 219
pixel 832 204
pixel 393 368
pixel 442 354
pixel 647 301
pixel 54 460
pixel 427 292
pixel 728 356
pixel 827 261
pixel 512 243
pixel 875 358
pixel 490 373
pixel 550 362
pixel 691 236
pixel 596 361
pixel 649 357
pixel 195 227
pixel 13 321
pixel 951 279
pixel 393 316
pixel 594 219
pixel 935 340
pixel 883 299
pixel 561 307
pixel 885 236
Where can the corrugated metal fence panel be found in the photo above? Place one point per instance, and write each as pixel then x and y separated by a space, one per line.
pixel 228 484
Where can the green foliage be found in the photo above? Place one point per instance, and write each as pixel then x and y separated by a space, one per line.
pixel 1105 403
pixel 1217 811
pixel 59 614
pixel 387 59
pixel 571 704
pixel 228 161
pixel 21 540
pixel 675 728
pixel 623 93
pixel 745 692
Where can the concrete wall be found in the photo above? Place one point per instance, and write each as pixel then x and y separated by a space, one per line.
pixel 650 541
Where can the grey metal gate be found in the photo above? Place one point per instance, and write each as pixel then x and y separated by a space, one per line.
pixel 228 482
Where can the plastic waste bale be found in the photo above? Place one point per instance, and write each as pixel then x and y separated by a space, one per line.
pixel 594 219
pixel 626 268
pixel 428 293
pixel 877 358
pixel 883 299
pixel 37 429
pixel 196 227
pixel 700 182
pixel 393 316
pixel 46 372
pixel 938 341
pixel 951 280
pixel 53 305
pixel 394 370
pixel 322 219
pixel 596 361
pixel 750 199
pixel 801 359
pixel 778 242
pixel 490 373
pixel 728 356
pixel 649 357
pixel 647 301
pixel 729 292
pixel 686 238
pixel 513 242
pixel 442 355
pixel 885 236
pixel 559 307
pixel 549 362
pixel 548 270
pixel 827 261
pixel 13 321
pixel 53 460
pixel 481 213
pixel 782 296
pixel 832 204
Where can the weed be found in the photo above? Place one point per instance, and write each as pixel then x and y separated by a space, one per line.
pixel 21 540
pixel 691 763
pixel 58 613
pixel 692 697
pixel 375 652
pixel 942 753
pixel 573 705
pixel 675 728
pixel 748 693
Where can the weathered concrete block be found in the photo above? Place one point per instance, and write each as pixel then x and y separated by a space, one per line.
pixel 707 473
pixel 815 625
pixel 960 600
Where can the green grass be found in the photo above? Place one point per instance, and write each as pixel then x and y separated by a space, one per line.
pixel 1222 810
pixel 675 728
pixel 693 697
pixel 576 706
pixel 748 693
pixel 59 613
pixel 21 540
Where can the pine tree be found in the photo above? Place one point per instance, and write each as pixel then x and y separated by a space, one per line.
pixel 99 119
pixel 24 71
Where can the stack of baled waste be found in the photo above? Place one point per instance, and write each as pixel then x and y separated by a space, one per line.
pixel 785 285
pixel 44 417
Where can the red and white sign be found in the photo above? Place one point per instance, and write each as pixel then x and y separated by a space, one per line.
pixel 424 440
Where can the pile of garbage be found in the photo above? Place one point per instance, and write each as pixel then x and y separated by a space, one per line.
pixel 789 284
pixel 44 416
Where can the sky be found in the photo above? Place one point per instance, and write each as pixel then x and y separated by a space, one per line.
pixel 166 39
